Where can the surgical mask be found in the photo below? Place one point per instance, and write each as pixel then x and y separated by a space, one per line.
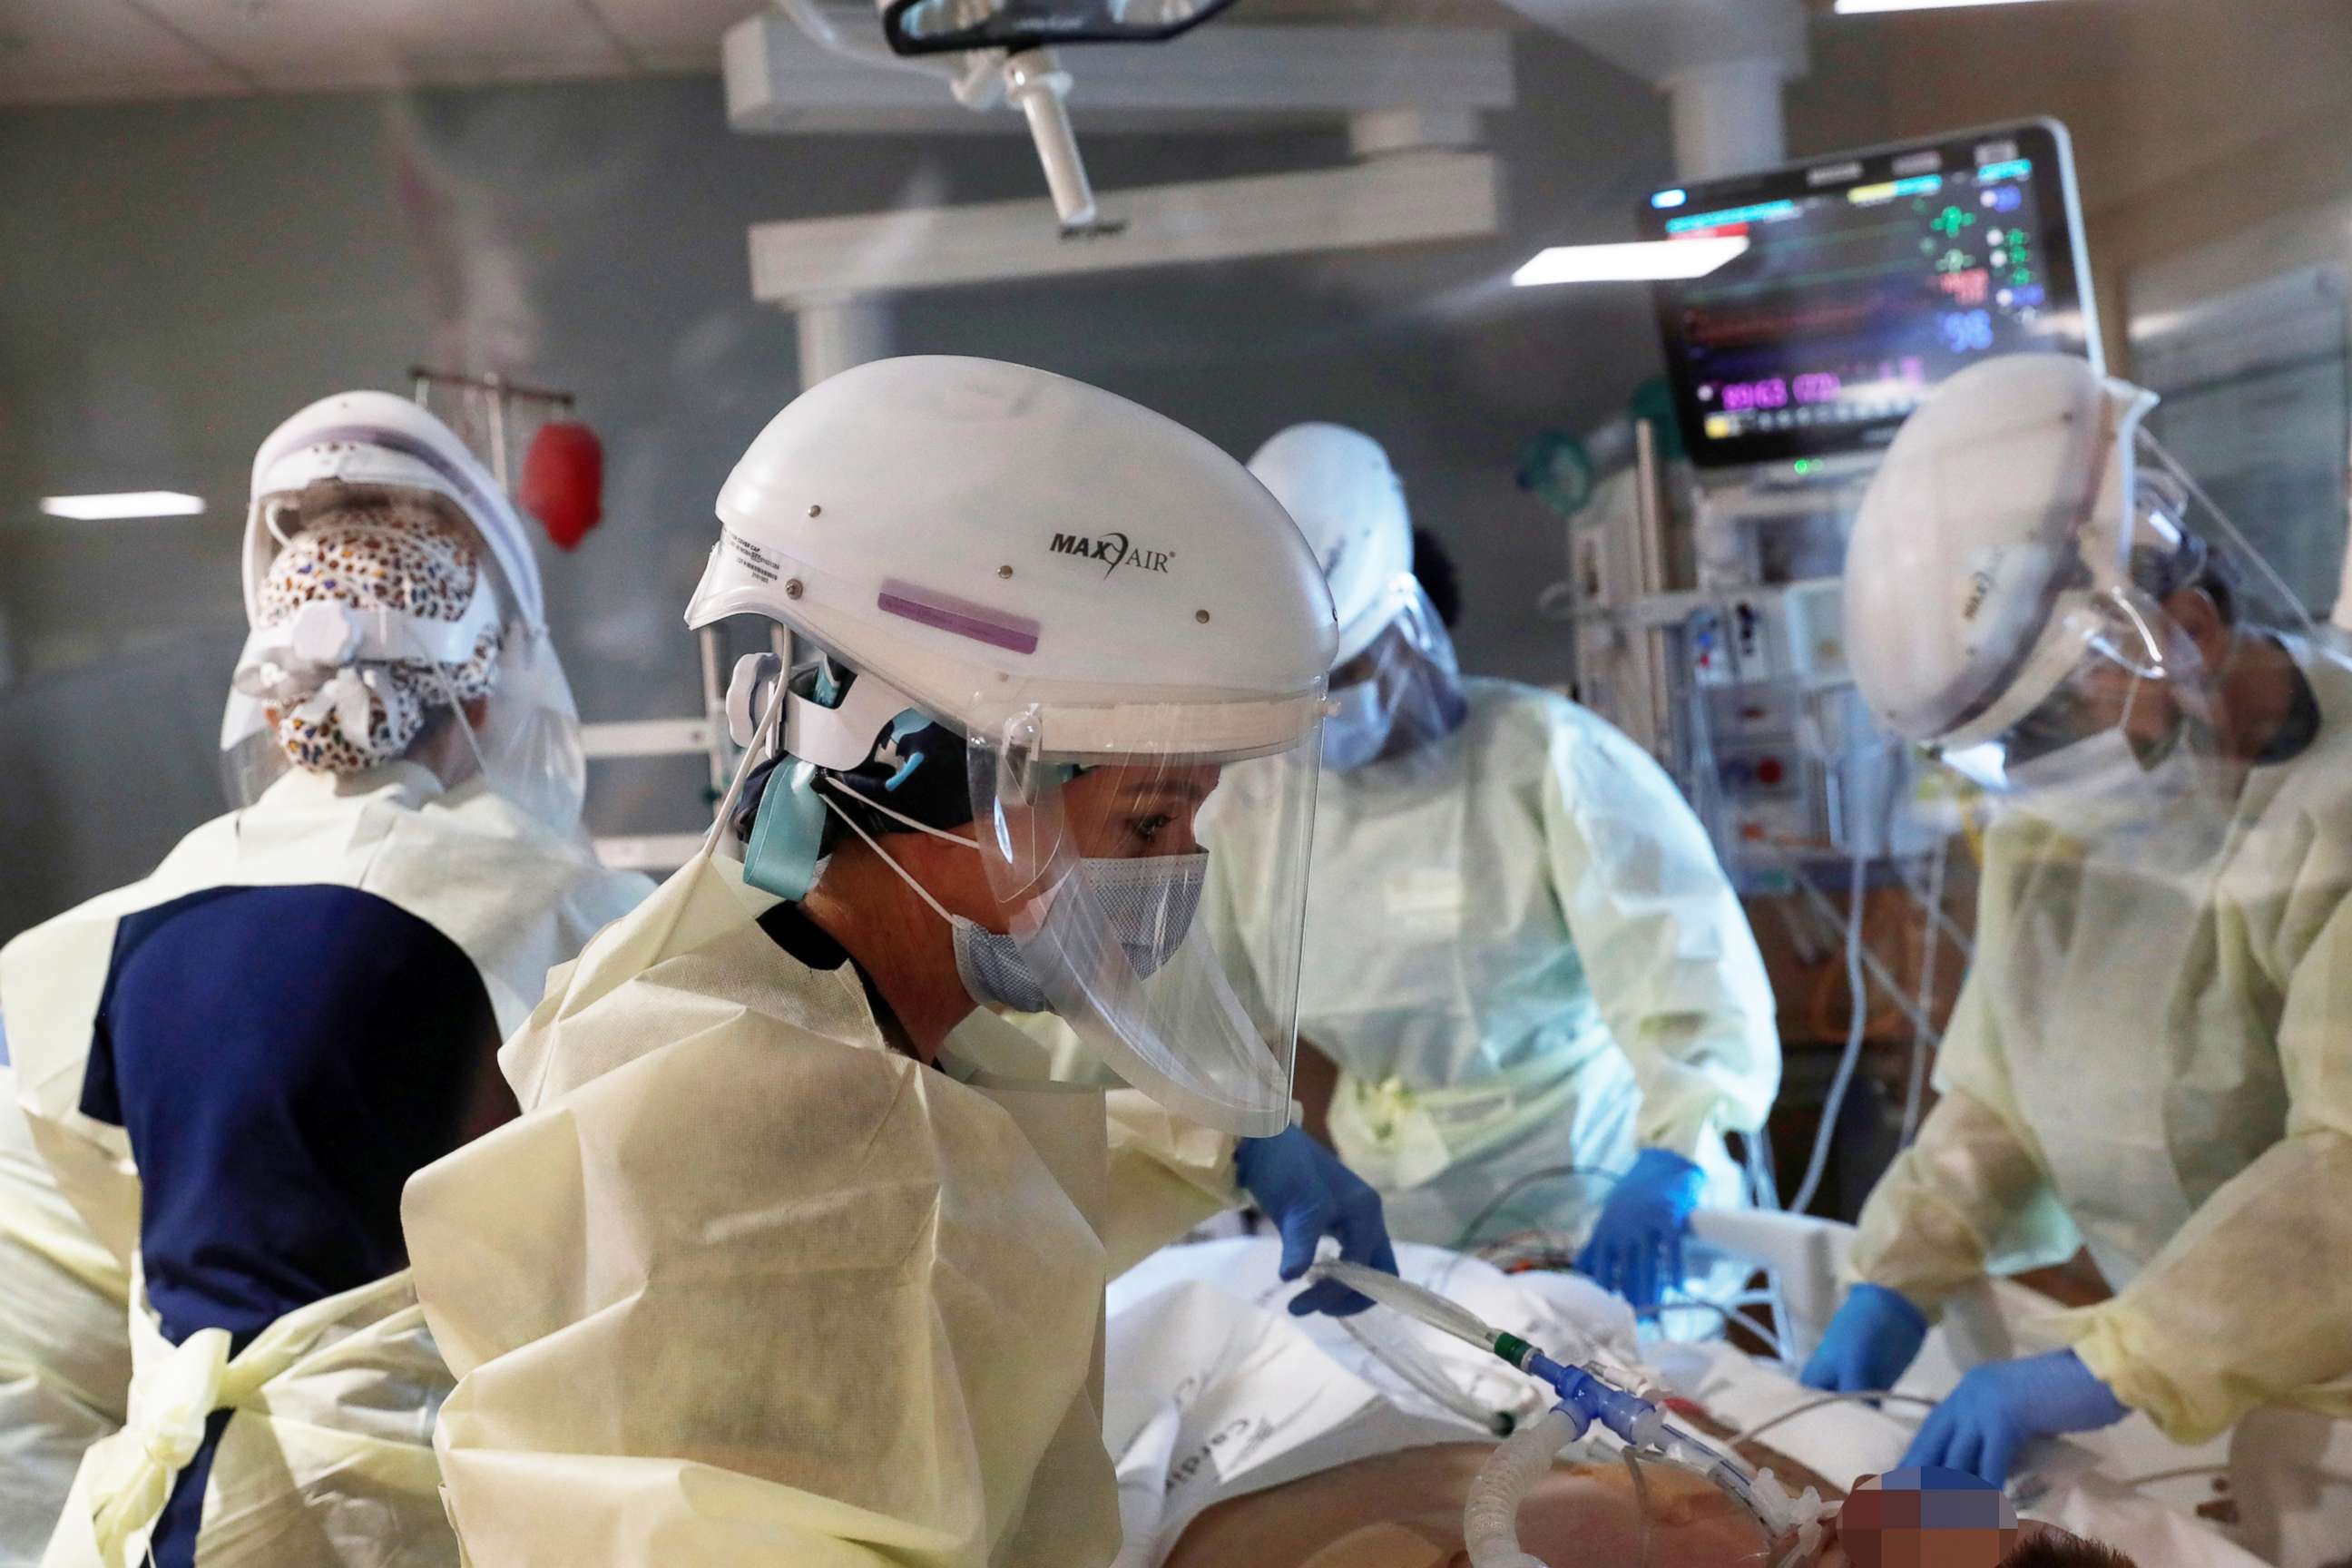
pixel 1411 699
pixel 1148 902
pixel 1357 726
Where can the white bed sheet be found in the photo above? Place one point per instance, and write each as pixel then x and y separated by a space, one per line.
pixel 1214 1391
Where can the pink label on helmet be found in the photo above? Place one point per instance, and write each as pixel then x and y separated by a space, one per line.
pixel 1016 634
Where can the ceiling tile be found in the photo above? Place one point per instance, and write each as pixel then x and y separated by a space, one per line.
pixel 70 50
pixel 312 44
pixel 678 35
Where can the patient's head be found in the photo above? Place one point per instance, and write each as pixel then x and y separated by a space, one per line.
pixel 2047 1546
pixel 1927 1518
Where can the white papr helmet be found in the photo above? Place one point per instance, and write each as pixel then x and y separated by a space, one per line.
pixel 529 743
pixel 1064 579
pixel 1991 548
pixel 378 438
pixel 957 527
pixel 1337 486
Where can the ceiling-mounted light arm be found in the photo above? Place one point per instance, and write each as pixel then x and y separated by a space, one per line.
pixel 1004 44
pixel 1035 83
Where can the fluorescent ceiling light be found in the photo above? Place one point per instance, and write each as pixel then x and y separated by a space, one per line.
pixel 124 504
pixel 1645 261
pixel 1863 7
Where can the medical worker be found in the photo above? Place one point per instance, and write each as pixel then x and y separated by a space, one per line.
pixel 795 1255
pixel 2152 1055
pixel 65 1337
pixel 1542 998
pixel 234 1064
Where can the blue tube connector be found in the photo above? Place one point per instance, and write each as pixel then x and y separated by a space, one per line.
pixel 1587 1399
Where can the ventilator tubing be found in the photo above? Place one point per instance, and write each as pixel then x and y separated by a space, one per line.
pixel 1490 1520
pixel 1586 1397
pixel 1423 1306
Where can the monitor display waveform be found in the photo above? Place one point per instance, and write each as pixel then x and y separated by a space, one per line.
pixel 1868 279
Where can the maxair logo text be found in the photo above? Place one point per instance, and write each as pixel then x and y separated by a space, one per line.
pixel 1113 551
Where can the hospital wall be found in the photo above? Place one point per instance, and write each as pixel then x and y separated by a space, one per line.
pixel 183 275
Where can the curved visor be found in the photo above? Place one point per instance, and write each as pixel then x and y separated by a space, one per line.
pixel 1098 876
pixel 526 745
pixel 1402 693
pixel 2108 718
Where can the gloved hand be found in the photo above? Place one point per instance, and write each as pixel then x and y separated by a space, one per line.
pixel 2002 1405
pixel 1308 1192
pixel 1874 1337
pixel 1636 1249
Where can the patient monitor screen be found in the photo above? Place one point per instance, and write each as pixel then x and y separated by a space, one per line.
pixel 1868 279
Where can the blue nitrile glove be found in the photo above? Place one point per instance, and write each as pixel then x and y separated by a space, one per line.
pixel 2002 1405
pixel 1636 1249
pixel 1870 1343
pixel 1309 1194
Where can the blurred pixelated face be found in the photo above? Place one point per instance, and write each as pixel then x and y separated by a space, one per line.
pixel 1925 1517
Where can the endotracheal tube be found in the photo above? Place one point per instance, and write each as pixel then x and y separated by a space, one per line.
pixel 1588 1397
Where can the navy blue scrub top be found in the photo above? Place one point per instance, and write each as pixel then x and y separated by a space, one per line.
pixel 282 1060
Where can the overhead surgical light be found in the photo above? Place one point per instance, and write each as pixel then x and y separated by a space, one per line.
pixel 1006 58
pixel 1640 261
pixel 1000 54
pixel 943 27
pixel 123 505
pixel 1864 7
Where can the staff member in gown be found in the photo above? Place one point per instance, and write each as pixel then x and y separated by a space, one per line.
pixel 796 1257
pixel 235 1063
pixel 1542 998
pixel 2152 1056
pixel 65 1337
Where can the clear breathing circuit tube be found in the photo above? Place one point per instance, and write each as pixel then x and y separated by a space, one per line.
pixel 1588 1396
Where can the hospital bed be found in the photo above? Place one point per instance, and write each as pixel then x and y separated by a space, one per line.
pixel 1214 1392
pixel 2280 1486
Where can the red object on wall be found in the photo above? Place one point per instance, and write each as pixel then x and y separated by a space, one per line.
pixel 564 481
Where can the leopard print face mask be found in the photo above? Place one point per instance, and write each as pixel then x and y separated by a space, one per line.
pixel 389 555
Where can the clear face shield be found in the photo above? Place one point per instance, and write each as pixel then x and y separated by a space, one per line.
pixel 2114 715
pixel 1402 693
pixel 1098 870
pixel 2147 683
pixel 398 667
pixel 1085 819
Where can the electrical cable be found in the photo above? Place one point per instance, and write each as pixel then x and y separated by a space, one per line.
pixel 1915 1092
pixel 1548 1172
pixel 1856 1027
pixel 1881 1396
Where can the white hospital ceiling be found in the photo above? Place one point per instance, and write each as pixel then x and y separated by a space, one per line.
pixel 55 51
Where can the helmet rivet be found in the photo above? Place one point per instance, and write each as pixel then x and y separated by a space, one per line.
pixel 815 511
pixel 1004 571
pixel 1201 617
pixel 792 589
